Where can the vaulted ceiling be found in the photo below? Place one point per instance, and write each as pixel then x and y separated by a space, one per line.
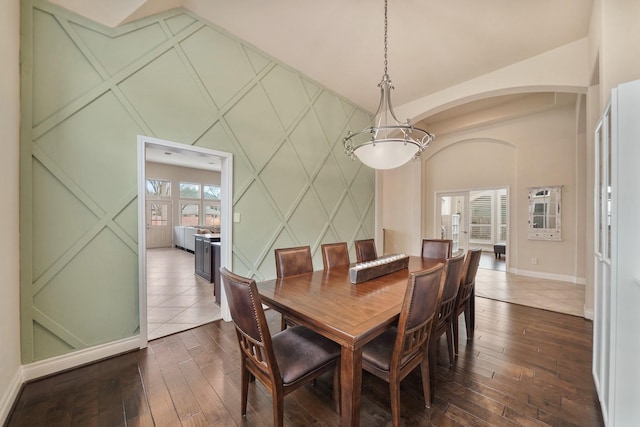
pixel 432 44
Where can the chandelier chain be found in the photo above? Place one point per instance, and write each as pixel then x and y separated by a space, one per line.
pixel 385 37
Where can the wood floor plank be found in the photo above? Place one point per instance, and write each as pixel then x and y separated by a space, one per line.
pixel 525 367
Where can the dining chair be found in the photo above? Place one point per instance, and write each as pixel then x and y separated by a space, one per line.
pixel 452 272
pixel 334 255
pixel 436 248
pixel 292 261
pixel 365 250
pixel 282 362
pixel 400 349
pixel 465 292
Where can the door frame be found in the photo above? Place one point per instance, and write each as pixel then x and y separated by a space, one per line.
pixel 226 225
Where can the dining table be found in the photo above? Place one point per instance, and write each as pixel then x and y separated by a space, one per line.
pixel 349 314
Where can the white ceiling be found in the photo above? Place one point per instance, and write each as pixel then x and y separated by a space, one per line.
pixel 432 44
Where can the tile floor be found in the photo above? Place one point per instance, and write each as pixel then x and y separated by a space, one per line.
pixel 177 299
pixel 550 295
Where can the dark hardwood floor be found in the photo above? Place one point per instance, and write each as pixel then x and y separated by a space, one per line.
pixel 525 367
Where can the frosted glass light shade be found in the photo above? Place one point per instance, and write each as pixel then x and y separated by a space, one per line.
pixel 386 155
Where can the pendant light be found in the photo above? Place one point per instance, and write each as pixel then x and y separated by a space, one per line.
pixel 389 143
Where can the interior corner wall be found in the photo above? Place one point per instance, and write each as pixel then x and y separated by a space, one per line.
pixel 619 45
pixel 535 150
pixel 89 91
pixel 9 219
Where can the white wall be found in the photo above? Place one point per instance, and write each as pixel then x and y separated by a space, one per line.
pixel 10 380
pixel 534 150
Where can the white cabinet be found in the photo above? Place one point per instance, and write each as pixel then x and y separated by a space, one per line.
pixel 616 329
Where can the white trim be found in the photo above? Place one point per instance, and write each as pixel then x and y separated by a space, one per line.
pixel 78 358
pixel 11 395
pixel 580 281
pixel 226 212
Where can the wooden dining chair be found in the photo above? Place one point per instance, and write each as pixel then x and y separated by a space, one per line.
pixel 436 248
pixel 334 255
pixel 365 250
pixel 452 272
pixel 282 362
pixel 465 293
pixel 401 348
pixel 292 261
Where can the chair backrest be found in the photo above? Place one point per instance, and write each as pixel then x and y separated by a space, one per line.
pixel 453 273
pixel 468 279
pixel 419 311
pixel 335 254
pixel 292 261
pixel 436 248
pixel 365 250
pixel 251 325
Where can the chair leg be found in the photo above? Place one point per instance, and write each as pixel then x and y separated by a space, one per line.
pixel 245 378
pixel 426 386
pixel 278 409
pixel 394 392
pixel 450 344
pixel 468 322
pixel 456 326
pixel 433 362
pixel 283 323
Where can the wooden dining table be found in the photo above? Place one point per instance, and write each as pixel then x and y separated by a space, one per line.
pixel 349 314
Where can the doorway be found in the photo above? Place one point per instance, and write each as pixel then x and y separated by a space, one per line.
pixel 190 156
pixel 476 219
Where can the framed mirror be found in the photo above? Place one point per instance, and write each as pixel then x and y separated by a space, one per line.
pixel 545 213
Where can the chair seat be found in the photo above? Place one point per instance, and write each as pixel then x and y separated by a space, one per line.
pixel 378 352
pixel 300 351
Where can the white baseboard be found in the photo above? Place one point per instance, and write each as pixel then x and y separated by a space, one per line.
pixel 10 395
pixel 78 358
pixel 549 276
pixel 588 313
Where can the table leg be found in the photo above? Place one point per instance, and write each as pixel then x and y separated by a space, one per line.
pixel 351 386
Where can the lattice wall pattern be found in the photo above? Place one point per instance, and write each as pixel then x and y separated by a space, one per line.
pixel 88 91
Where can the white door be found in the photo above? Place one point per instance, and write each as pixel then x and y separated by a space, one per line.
pixel 452 218
pixel 158 223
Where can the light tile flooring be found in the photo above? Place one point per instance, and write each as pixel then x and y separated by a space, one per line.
pixel 177 299
pixel 550 295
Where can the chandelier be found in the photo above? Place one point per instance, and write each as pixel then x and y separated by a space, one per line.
pixel 389 143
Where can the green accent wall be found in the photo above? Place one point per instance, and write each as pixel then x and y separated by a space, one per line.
pixel 89 91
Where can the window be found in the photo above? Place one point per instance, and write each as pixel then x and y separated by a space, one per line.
pixel 189 190
pixel 160 214
pixel 212 214
pixel 481 225
pixel 190 214
pixel 211 192
pixel 158 188
pixel 503 218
